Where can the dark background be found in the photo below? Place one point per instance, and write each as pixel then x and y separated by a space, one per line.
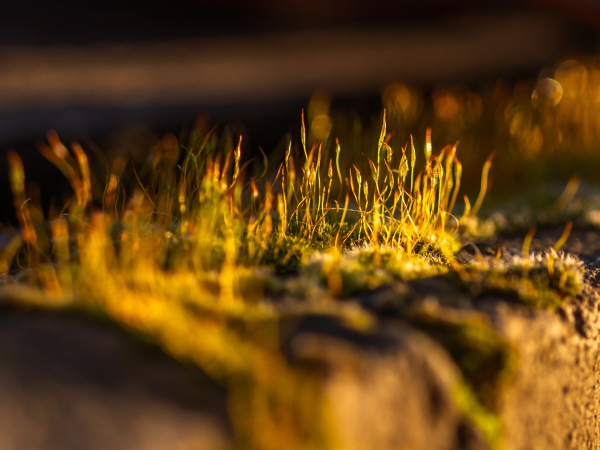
pixel 95 70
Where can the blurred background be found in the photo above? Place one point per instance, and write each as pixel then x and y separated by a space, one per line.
pixel 518 77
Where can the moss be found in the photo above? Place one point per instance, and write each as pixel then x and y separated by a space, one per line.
pixel 438 248
pixel 486 422
pixel 484 358
pixel 285 254
pixel 476 228
pixel 196 272
pixel 362 270
pixel 542 280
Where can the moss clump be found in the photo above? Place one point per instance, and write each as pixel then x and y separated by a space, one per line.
pixel 484 358
pixel 541 280
pixel 177 254
pixel 362 270
pixel 476 228
pixel 487 422
pixel 285 254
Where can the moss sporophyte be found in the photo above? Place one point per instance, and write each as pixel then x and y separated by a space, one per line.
pixel 189 246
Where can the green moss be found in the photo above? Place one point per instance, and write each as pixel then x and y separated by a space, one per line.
pixel 484 358
pixel 362 270
pixel 476 228
pixel 487 422
pixel 540 280
pixel 285 254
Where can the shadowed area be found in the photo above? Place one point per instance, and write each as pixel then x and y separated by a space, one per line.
pixel 65 381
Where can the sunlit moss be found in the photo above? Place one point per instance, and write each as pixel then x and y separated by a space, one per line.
pixel 190 252
pixel 362 270
pixel 538 280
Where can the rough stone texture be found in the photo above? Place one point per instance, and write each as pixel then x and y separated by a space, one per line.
pixel 393 391
pixel 553 400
